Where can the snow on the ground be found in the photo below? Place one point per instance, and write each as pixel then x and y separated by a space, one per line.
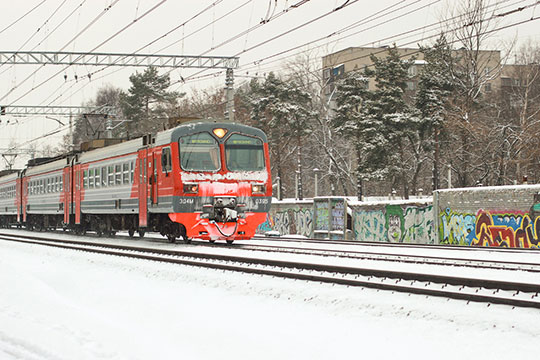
pixel 65 304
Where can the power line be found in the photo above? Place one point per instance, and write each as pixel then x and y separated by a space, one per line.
pixel 423 39
pixel 101 44
pixel 69 42
pixel 22 17
pixel 347 3
pixel 91 74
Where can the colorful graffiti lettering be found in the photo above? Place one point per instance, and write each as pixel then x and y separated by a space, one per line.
pixel 291 221
pixel 412 224
pixel 504 231
pixel 492 229
pixel 456 228
pixel 369 226
pixel 418 225
pixel 265 226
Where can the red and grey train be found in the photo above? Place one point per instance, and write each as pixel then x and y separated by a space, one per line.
pixel 203 180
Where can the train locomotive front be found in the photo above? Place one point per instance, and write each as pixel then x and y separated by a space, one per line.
pixel 223 189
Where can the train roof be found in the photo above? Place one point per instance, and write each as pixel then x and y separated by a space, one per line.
pixel 132 146
pixel 47 167
pixel 8 175
pixel 172 135
pixel 124 148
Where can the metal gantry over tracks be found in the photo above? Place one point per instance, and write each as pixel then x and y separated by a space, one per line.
pixel 114 59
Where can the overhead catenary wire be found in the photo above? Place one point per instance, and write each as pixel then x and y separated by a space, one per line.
pixel 23 16
pixel 392 37
pixel 50 32
pixel 188 79
pixel 91 74
pixel 410 53
pixel 95 48
pixel 427 37
pixel 349 27
pixel 266 20
pixel 69 42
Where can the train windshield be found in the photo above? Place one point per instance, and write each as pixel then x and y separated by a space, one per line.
pixel 244 153
pixel 199 152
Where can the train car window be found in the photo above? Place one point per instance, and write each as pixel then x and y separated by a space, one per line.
pixel 199 152
pixel 131 171
pixel 125 173
pixel 111 175
pixel 91 178
pixel 97 178
pixel 85 179
pixel 166 165
pixel 103 176
pixel 244 153
pixel 118 174
pixel 61 184
pixel 41 187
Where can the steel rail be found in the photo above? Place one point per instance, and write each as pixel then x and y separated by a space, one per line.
pixel 391 244
pixel 422 284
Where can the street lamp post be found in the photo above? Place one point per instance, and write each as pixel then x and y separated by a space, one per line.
pixel 316 171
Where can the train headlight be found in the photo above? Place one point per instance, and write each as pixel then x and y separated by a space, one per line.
pixel 191 188
pixel 219 132
pixel 258 189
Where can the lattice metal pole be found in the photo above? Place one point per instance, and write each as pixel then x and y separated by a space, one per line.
pixel 229 92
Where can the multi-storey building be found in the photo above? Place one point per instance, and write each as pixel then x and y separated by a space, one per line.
pixel 488 64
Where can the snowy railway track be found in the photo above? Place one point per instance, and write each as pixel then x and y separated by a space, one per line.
pixel 518 294
pixel 379 255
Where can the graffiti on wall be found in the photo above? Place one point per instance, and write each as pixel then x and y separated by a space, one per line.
pixel 292 221
pixel 409 224
pixel 494 229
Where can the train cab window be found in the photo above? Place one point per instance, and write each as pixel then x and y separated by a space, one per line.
pixel 199 152
pixel 244 153
pixel 166 165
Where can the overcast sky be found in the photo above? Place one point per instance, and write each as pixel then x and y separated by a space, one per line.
pixel 256 31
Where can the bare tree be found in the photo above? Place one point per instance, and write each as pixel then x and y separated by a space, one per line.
pixel 474 73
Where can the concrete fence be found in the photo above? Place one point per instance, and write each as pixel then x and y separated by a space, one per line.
pixel 501 216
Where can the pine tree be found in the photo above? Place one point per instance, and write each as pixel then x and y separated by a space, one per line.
pixel 353 120
pixel 398 142
pixel 281 109
pixel 435 87
pixel 146 102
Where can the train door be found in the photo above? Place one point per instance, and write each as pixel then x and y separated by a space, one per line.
pixel 143 188
pixel 77 189
pixel 66 191
pixel 19 195
pixel 153 159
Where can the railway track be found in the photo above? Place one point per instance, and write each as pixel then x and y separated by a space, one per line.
pixel 518 294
